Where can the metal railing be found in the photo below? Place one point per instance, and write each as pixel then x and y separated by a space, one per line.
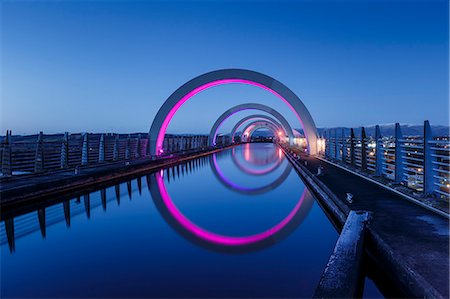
pixel 421 163
pixel 41 153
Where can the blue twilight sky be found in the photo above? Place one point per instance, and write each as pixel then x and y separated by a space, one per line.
pixel 109 65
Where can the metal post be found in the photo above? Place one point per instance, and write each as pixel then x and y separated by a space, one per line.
pixel 128 148
pixel 39 156
pixel 352 147
pixel 138 146
pixel 165 147
pixel 116 147
pixel 336 143
pixel 171 144
pixel 147 150
pixel 65 151
pixel 428 180
pixel 344 146
pixel 6 157
pixel 363 149
pixel 101 149
pixel 378 153
pixel 85 150
pixel 398 154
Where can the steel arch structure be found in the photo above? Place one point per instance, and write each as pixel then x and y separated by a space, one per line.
pixel 253 117
pixel 257 124
pixel 227 76
pixel 248 106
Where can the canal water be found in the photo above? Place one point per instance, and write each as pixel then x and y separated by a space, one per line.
pixel 239 223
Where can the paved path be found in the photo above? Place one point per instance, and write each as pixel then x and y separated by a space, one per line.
pixel 416 234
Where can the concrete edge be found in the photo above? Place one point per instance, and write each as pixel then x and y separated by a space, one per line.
pixel 410 281
pixel 405 196
pixel 341 277
pixel 325 199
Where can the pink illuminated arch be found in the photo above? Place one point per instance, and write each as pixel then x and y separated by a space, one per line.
pixel 228 76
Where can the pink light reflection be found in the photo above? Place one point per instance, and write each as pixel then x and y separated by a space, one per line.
pixel 247 152
pixel 165 124
pixel 216 238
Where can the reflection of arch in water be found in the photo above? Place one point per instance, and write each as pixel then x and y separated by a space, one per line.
pixel 244 190
pixel 250 153
pixel 255 117
pixel 223 243
pixel 273 166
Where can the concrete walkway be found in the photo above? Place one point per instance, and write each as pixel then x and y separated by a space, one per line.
pixel 418 239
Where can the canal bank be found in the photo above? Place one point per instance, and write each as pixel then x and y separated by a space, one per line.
pixel 33 188
pixel 408 242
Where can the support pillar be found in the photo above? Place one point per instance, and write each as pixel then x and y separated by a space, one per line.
pixel 65 151
pixel 85 150
pixel 147 150
pixel 352 147
pixel 398 154
pixel 428 180
pixel 138 146
pixel 336 145
pixel 116 148
pixel 101 149
pixel 39 156
pixel 344 147
pixel 363 149
pixel 128 148
pixel 378 152
pixel 6 156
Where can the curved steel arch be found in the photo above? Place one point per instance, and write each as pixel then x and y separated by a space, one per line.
pixel 252 117
pixel 253 106
pixel 257 124
pixel 227 76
